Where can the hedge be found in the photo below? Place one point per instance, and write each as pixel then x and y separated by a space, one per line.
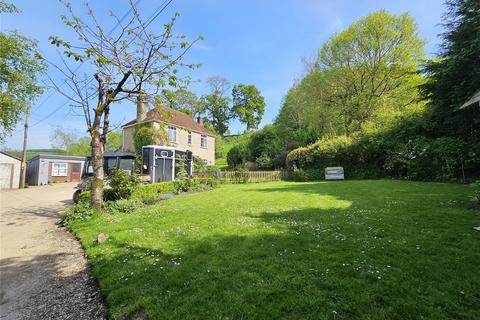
pixel 146 191
pixel 422 158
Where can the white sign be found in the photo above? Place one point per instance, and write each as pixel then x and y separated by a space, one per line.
pixel 334 173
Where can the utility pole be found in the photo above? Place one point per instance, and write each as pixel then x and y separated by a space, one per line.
pixel 23 167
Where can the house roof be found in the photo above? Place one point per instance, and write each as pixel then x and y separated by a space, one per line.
pixel 10 155
pixel 475 99
pixel 174 117
pixel 57 157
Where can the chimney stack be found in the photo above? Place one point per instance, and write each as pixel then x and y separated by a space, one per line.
pixel 142 102
pixel 200 120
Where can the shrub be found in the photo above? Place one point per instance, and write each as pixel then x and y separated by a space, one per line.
pixel 80 211
pixel 108 195
pixel 85 197
pixel 298 175
pixel 299 158
pixel 145 192
pixel 476 194
pixel 183 185
pixel 237 155
pixel 123 184
pixel 427 159
pixel 314 174
pixel 264 162
pixel 199 166
pixel 375 156
pixel 121 206
pixel 209 182
pixel 152 199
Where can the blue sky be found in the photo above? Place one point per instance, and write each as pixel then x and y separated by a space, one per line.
pixel 252 42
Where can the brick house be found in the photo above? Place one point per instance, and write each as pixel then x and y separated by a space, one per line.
pixel 44 169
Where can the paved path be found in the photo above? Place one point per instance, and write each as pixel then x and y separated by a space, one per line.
pixel 43 273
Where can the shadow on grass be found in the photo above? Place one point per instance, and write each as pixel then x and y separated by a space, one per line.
pixel 301 264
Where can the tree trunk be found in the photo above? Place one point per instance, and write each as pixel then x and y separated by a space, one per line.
pixel 96 196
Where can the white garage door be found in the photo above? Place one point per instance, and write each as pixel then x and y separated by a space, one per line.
pixel 6 171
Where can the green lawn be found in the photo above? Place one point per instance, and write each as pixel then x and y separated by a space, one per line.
pixel 326 250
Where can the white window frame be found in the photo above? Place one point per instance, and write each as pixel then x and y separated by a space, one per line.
pixel 172 134
pixel 204 141
pixel 189 138
pixel 59 172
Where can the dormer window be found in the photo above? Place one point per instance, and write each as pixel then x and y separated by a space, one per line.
pixel 172 134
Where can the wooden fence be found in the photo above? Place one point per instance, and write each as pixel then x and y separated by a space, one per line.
pixel 249 176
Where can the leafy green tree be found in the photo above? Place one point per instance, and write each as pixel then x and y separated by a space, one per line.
pixel 127 62
pixel 370 66
pixel 248 105
pixel 80 148
pixel 20 68
pixel 114 141
pixel 74 146
pixel 216 105
pixel 182 100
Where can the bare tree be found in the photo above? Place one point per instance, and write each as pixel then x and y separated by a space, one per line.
pixel 127 63
pixel 219 85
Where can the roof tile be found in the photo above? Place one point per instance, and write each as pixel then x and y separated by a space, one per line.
pixel 174 117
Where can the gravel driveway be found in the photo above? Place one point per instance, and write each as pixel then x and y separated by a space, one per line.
pixel 43 271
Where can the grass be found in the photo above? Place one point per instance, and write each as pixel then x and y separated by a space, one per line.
pixel 326 250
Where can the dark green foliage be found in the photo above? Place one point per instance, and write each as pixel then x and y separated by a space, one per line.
pixel 248 105
pixel 218 112
pixel 121 206
pixel 123 184
pixel 108 195
pixel 147 191
pixel 185 185
pixel 264 147
pixel 439 159
pixel 441 143
pixel 208 182
pixel 476 195
pixel 237 155
pixel 198 165
pixel 264 162
pixel 422 158
pixel 314 174
pixel 80 211
pixel 144 135
pixel 455 73
pixel 266 143
pixel 216 105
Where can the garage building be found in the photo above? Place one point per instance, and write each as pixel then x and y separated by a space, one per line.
pixel 44 169
pixel 9 171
